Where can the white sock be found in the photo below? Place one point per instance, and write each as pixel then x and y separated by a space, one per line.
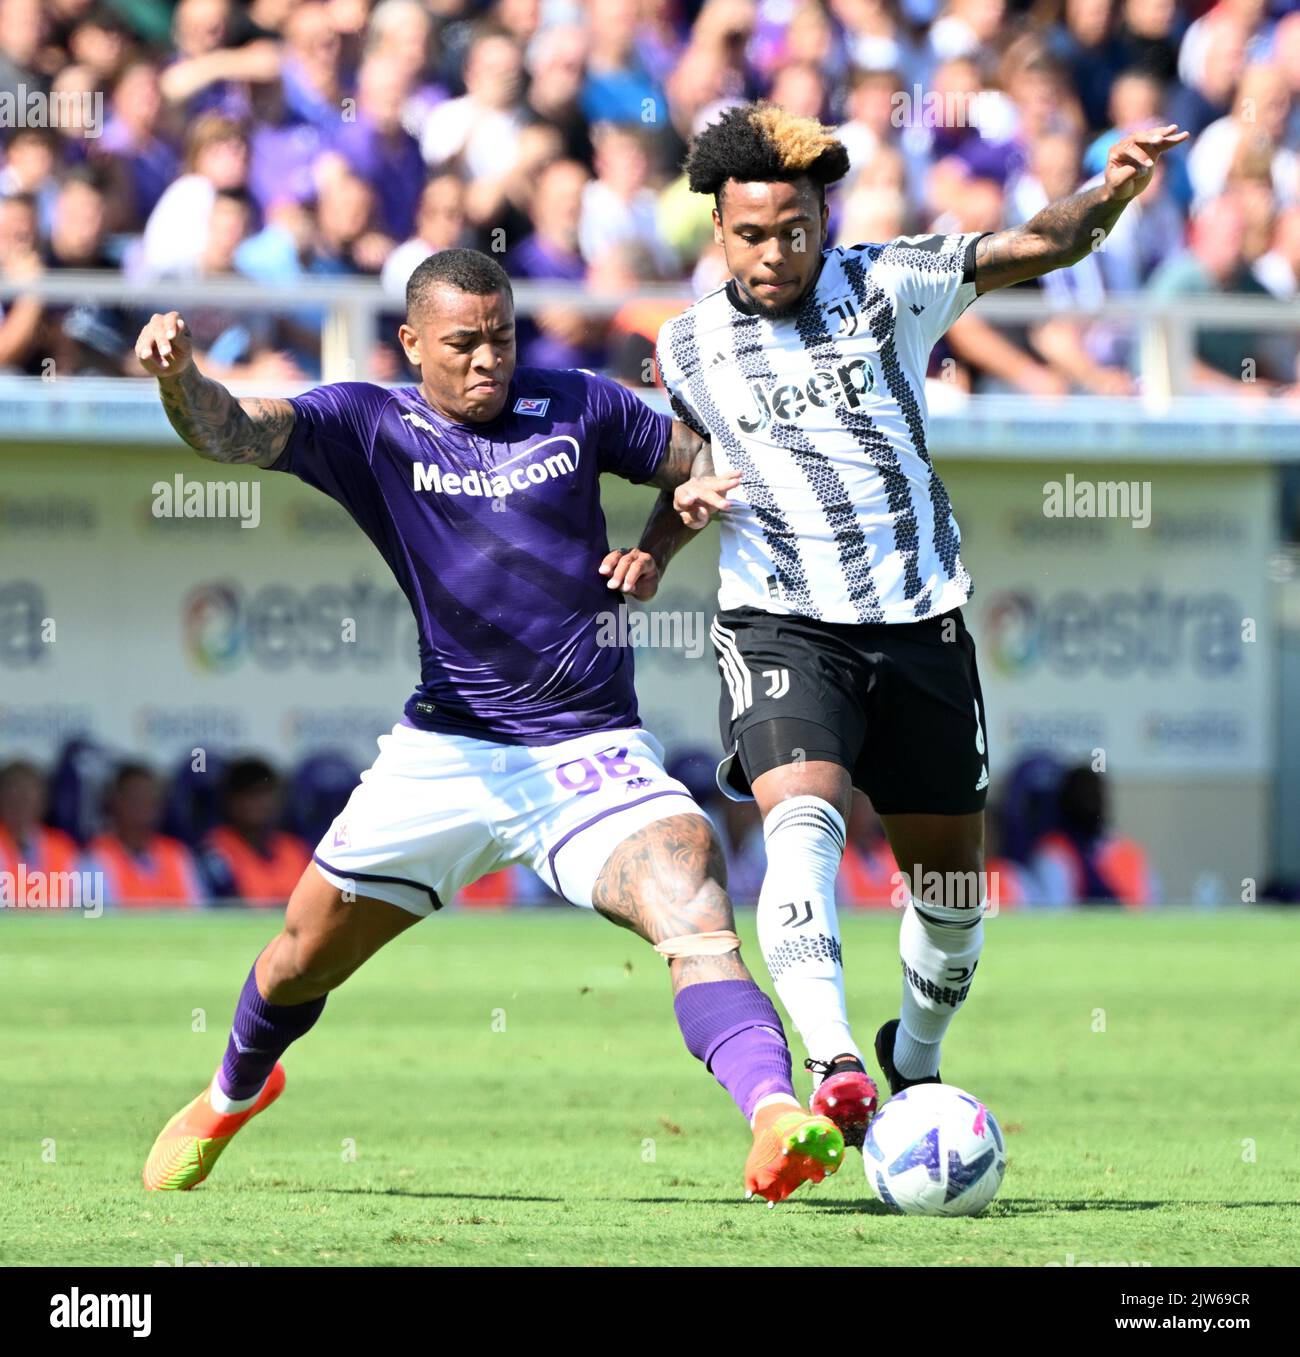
pixel 222 1104
pixel 940 947
pixel 797 927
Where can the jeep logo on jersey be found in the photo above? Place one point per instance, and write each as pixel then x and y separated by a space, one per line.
pixel 504 479
pixel 848 382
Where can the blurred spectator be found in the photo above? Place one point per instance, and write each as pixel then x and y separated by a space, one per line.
pixel 967 28
pixel 1278 269
pixel 207 73
pixel 1258 122
pixel 101 43
pixel 1206 32
pixel 89 337
pixel 1135 101
pixel 301 115
pixel 1083 862
pixel 1200 99
pixel 875 38
pixel 556 63
pixel 140 866
pixel 216 157
pixel 556 336
pixel 24 838
pixel 799 87
pixel 618 206
pixel 401 31
pixel 1146 29
pixel 75 88
pixel 31 165
pixel 133 138
pixel 20 261
pixel 247 856
pixel 1091 356
pixel 990 358
pixel 312 76
pixel 1215 264
pixel 26 59
pixel 617 87
pixel 233 344
pixel 378 148
pixel 348 238
pixel 479 132
pixel 1084 43
pixel 440 224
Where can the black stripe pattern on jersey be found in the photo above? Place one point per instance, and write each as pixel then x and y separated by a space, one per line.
pixel 827 485
pixel 868 293
pixel 820 344
pixel 781 540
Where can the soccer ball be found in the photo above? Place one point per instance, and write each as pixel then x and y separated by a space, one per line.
pixel 934 1150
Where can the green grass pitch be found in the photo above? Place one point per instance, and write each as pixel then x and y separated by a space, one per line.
pixel 513 1089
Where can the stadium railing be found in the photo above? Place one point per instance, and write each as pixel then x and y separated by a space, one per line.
pixel 1166 329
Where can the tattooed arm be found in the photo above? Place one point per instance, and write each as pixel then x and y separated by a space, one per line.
pixel 203 412
pixel 1065 231
pixel 688 455
pixel 690 496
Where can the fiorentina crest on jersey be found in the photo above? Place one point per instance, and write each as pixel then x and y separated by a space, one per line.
pixel 532 405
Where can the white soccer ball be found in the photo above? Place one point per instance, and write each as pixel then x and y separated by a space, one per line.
pixel 934 1150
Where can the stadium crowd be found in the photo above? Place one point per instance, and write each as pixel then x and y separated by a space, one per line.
pixel 238 832
pixel 281 139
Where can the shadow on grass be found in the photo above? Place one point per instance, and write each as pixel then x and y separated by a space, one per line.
pixel 405 1192
pixel 1028 1206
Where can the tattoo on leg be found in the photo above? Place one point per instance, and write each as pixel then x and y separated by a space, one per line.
pixel 666 881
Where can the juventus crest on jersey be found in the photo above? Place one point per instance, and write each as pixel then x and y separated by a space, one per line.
pixel 840 514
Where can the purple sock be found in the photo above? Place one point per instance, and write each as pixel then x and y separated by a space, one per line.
pixel 264 1031
pixel 732 1026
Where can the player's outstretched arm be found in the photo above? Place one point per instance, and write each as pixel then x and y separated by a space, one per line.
pixel 1067 230
pixel 203 412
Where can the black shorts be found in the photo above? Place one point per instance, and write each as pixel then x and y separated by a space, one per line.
pixel 898 705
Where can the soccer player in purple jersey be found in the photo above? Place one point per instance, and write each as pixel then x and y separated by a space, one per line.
pixel 522 742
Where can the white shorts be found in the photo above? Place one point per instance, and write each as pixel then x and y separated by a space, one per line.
pixel 436 812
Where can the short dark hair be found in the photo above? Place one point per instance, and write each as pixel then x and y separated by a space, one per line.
pixel 131 772
pixel 248 774
pixel 466 270
pixel 761 143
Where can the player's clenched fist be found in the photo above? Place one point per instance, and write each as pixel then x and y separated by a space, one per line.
pixel 165 348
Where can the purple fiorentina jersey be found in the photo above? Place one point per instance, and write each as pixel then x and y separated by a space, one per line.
pixel 495 534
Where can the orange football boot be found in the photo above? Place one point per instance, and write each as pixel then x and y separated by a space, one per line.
pixel 188 1147
pixel 791 1146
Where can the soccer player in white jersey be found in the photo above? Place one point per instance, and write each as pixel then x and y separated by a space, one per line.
pixel 843 653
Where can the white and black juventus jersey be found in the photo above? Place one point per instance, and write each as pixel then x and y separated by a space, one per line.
pixel 840 514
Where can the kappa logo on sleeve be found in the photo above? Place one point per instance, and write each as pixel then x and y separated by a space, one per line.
pixel 419 422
